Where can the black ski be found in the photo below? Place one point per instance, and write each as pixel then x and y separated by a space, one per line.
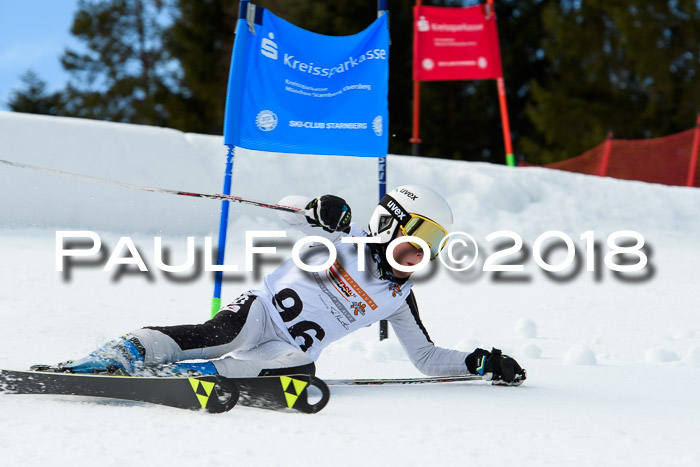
pixel 431 380
pixel 398 381
pixel 214 394
pixel 294 393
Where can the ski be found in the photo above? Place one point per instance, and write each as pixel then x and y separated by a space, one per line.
pixel 398 381
pixel 293 393
pixel 215 394
pixel 429 380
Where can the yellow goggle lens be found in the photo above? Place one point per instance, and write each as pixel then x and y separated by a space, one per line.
pixel 425 229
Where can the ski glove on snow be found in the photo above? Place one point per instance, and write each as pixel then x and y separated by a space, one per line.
pixel 329 212
pixel 502 367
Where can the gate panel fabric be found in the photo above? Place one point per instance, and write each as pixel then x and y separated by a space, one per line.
pixel 295 91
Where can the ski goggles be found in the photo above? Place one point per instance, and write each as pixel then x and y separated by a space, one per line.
pixel 425 229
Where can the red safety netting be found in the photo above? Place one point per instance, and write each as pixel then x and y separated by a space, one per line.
pixel 669 160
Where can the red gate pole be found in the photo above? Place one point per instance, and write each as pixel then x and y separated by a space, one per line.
pixel 415 137
pixel 510 159
pixel 694 154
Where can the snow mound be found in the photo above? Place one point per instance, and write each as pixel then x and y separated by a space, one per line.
pixel 530 350
pixel 660 355
pixel 526 328
pixel 693 356
pixel 580 354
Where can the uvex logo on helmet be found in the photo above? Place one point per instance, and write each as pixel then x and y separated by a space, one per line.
pixel 412 196
pixel 394 208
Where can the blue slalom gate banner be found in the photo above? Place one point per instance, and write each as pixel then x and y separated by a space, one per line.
pixel 294 91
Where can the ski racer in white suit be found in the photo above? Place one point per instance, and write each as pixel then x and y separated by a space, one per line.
pixel 283 327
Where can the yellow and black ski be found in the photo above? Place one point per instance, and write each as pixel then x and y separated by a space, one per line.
pixel 215 394
pixel 294 393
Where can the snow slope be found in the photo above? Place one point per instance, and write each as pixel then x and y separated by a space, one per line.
pixel 613 361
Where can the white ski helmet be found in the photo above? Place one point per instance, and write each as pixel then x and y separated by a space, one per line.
pixel 417 211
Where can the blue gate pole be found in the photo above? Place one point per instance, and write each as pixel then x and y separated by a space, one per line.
pixel 223 229
pixel 383 324
pixel 382 7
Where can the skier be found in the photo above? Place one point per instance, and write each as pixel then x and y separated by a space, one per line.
pixel 282 328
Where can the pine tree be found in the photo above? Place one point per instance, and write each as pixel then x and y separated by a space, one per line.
pixel 123 74
pixel 34 99
pixel 201 40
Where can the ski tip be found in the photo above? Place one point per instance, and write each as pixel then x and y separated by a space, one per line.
pixel 285 393
pixel 304 393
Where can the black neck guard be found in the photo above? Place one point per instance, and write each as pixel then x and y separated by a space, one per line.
pixel 379 256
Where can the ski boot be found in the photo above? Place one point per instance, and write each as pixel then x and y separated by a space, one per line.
pixel 120 357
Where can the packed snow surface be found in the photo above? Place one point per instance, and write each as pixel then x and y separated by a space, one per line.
pixel 613 359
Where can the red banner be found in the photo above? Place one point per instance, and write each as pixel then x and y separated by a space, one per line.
pixel 455 44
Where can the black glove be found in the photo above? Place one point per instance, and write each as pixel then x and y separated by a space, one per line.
pixel 329 212
pixel 501 367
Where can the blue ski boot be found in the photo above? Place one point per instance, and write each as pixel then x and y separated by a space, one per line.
pixel 124 356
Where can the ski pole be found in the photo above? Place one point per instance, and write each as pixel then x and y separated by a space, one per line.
pixel 230 198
